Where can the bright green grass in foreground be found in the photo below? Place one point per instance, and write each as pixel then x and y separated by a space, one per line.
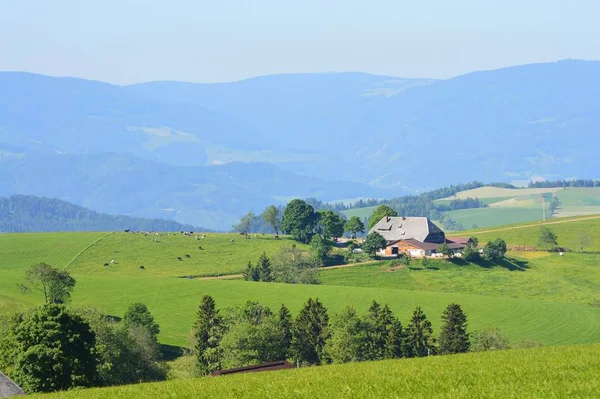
pixel 572 278
pixel 556 372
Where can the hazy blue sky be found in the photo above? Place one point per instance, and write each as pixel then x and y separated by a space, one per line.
pixel 126 41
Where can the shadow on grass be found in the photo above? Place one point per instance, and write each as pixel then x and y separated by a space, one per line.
pixel 506 263
pixel 432 268
pixel 171 352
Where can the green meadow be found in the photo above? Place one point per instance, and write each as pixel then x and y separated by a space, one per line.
pixel 567 230
pixel 572 278
pixel 554 372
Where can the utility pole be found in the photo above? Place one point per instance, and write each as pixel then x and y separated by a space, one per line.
pixel 544 207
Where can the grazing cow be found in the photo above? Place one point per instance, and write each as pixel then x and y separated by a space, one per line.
pixel 179 258
pixel 142 267
pixel 187 256
pixel 106 265
pixel 232 241
pixel 112 261
pixel 200 248
pixel 126 231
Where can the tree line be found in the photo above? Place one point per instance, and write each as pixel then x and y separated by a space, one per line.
pixel 253 334
pixel 26 213
pixel 565 183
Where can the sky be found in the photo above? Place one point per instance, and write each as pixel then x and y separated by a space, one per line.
pixel 131 41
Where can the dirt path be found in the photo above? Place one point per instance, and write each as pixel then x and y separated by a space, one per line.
pixel 236 276
pixel 530 225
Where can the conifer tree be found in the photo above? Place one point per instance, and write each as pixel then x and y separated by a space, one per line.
pixel 265 272
pixel 208 331
pixel 309 333
pixel 419 341
pixel 393 342
pixel 285 323
pixel 454 337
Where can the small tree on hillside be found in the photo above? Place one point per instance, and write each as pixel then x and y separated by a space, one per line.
pixel 355 226
pixel 348 337
pixel 265 271
pixel 494 250
pixel 419 340
pixel 251 273
pixel 489 339
pixel 286 325
pixel 272 217
pixel 208 331
pixel 380 213
pixel 454 337
pixel 320 248
pixel 547 238
pixel 309 333
pixel 243 227
pixel 583 240
pixel 55 284
pixel 138 315
pixel 373 243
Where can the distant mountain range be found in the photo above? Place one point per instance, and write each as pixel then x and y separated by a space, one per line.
pixel 207 153
pixel 27 213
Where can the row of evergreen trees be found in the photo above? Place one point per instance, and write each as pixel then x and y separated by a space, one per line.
pixel 253 334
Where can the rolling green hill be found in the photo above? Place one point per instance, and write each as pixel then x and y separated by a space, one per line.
pixel 173 300
pixel 566 371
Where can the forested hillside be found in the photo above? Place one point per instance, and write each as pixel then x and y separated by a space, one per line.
pixel 26 213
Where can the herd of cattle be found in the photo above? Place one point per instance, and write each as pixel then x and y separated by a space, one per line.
pixel 196 236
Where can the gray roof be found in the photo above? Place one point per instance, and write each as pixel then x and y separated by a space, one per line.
pixel 8 388
pixel 405 228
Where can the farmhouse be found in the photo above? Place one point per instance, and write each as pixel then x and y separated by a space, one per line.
pixel 415 236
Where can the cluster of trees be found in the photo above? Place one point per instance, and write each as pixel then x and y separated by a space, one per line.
pixel 52 347
pixel 26 213
pixel 253 334
pixel 565 183
pixel 289 265
pixel 301 221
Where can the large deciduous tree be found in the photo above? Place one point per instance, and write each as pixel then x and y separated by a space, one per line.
pixel 292 266
pixel 310 333
pixel 208 331
pixel 379 213
pixel 354 225
pixel 55 350
pixel 583 240
pixel 454 337
pixel 332 223
pixel 348 339
pixel 55 284
pixel 299 220
pixel 272 217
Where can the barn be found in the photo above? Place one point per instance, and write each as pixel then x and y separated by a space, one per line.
pixel 415 236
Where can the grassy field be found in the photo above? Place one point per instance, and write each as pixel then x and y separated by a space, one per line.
pixel 218 254
pixel 360 212
pixel 494 216
pixel 574 278
pixel 496 192
pixel 556 372
pixel 548 302
pixel 567 230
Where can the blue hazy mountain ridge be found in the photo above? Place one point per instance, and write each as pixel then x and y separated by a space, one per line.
pixel 143 149
pixel 506 124
pixel 210 196
pixel 27 213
